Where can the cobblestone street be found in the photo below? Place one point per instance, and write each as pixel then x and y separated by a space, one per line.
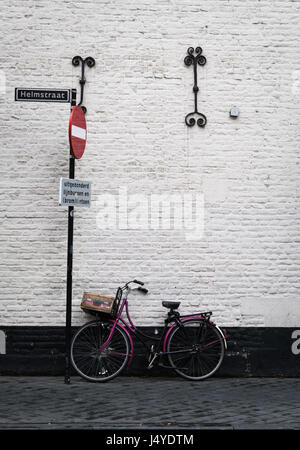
pixel 136 402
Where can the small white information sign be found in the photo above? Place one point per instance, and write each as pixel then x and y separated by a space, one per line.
pixel 75 192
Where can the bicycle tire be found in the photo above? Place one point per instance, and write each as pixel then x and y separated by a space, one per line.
pixel 97 366
pixel 207 349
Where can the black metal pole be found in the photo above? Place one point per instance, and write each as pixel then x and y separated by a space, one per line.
pixel 69 266
pixel 69 277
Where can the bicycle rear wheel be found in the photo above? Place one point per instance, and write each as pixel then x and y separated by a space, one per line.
pixel 86 357
pixel 198 349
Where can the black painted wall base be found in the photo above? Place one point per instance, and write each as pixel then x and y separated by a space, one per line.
pixel 265 352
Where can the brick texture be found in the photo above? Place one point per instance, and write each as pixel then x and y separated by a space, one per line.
pixel 245 267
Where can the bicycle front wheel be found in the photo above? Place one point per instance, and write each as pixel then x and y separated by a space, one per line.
pixel 196 349
pixel 93 364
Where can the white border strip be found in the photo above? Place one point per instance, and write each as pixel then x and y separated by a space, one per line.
pixel 78 132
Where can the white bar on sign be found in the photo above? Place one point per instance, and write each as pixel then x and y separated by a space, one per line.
pixel 78 132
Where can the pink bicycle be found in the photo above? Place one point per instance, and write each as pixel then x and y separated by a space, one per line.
pixel 192 345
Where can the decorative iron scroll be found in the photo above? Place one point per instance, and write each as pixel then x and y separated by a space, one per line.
pixel 90 62
pixel 195 57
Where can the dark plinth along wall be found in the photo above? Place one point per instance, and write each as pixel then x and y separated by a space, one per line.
pixel 273 352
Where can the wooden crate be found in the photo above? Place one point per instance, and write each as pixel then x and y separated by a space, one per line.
pixel 97 303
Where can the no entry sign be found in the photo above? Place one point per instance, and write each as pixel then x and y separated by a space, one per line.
pixel 77 132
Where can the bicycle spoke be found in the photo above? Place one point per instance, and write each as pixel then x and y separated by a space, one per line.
pixel 200 365
pixel 110 362
pixel 180 358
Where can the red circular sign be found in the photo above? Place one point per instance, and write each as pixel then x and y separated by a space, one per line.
pixel 77 132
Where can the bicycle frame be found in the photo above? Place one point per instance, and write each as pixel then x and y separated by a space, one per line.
pixel 130 328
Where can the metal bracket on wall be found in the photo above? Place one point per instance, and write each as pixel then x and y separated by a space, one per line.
pixel 198 58
pixel 90 62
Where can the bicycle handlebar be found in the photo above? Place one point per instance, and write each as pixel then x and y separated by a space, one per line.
pixel 144 290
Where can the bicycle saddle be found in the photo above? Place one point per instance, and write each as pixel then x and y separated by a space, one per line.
pixel 171 305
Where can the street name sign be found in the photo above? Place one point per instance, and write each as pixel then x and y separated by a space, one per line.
pixel 75 192
pixel 43 95
pixel 77 132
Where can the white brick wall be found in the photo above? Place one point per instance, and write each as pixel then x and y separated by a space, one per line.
pixel 246 266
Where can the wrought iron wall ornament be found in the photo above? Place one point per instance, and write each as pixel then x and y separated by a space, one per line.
pixel 197 58
pixel 90 62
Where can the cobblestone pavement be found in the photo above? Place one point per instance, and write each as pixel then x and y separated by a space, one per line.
pixel 135 402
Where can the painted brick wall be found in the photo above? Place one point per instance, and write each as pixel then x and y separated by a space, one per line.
pixel 245 267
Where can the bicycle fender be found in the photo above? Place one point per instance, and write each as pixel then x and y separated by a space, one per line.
pixel 223 336
pixel 130 341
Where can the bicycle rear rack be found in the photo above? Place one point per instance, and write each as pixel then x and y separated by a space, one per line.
pixel 205 315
